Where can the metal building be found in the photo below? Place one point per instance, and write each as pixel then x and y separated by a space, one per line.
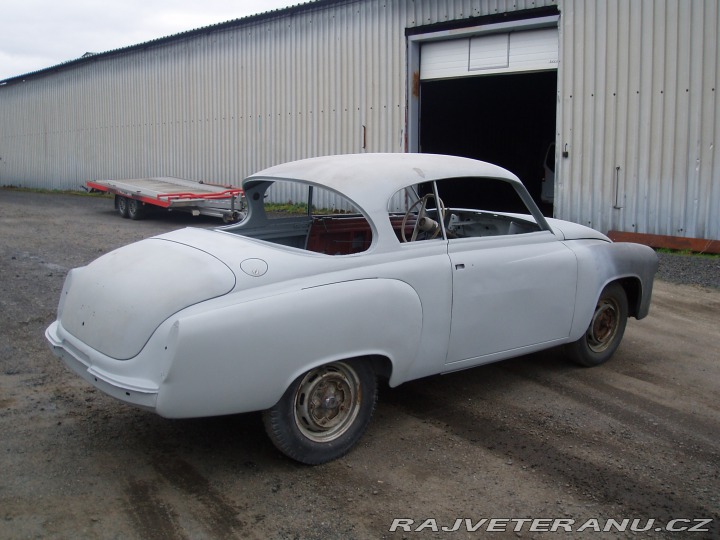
pixel 617 96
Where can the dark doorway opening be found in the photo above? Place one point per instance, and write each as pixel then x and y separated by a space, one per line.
pixel 505 119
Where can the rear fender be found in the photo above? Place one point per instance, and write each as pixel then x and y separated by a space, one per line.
pixel 246 355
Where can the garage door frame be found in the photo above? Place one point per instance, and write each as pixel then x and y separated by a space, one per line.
pixel 414 43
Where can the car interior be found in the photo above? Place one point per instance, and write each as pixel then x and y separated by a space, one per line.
pixel 315 219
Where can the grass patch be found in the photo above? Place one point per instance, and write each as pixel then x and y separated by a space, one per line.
pixel 687 253
pixel 286 208
pixel 299 208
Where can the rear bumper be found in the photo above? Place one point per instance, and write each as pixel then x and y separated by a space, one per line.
pixel 84 361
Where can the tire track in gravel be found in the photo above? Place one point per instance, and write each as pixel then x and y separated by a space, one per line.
pixel 545 447
pixel 157 514
pixel 210 508
pixel 152 517
pixel 614 403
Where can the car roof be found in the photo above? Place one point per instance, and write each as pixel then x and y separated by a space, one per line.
pixel 366 177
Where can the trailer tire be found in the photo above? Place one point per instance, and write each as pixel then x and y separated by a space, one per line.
pixel 121 205
pixel 233 217
pixel 135 209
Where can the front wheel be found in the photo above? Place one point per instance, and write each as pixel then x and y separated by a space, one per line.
pixel 324 412
pixel 121 204
pixel 606 329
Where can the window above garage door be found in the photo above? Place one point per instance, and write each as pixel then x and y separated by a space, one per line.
pixel 509 52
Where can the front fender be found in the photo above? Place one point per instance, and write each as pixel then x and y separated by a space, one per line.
pixel 242 357
pixel 600 263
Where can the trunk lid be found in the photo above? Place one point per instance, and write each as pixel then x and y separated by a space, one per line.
pixel 116 302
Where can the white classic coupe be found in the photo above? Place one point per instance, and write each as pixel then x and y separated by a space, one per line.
pixel 390 266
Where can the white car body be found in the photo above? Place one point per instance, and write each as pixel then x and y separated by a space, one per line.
pixel 211 322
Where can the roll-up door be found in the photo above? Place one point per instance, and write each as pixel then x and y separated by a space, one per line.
pixel 510 52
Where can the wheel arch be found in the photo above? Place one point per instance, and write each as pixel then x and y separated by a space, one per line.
pixel 381 364
pixel 633 290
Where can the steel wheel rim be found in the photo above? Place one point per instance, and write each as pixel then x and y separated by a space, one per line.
pixel 122 204
pixel 327 402
pixel 604 325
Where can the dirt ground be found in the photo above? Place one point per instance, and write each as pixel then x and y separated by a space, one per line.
pixel 531 438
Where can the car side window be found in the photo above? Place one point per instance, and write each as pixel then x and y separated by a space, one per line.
pixel 477 207
pixel 304 216
pixel 460 208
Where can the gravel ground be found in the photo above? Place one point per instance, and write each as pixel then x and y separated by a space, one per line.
pixel 703 270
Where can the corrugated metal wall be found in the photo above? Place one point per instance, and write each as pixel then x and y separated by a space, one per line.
pixel 218 106
pixel 639 115
pixel 637 105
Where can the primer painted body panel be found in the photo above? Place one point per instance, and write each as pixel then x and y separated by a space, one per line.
pixel 501 301
pixel 118 300
pixel 599 263
pixel 272 347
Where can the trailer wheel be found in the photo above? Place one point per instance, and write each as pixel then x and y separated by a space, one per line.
pixel 121 205
pixel 135 209
pixel 233 217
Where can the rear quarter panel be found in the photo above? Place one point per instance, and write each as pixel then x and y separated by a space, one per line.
pixel 242 357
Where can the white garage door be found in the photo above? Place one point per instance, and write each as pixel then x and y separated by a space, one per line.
pixel 530 50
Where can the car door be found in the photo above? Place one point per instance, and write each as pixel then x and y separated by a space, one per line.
pixel 509 293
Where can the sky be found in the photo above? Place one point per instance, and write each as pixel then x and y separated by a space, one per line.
pixel 37 34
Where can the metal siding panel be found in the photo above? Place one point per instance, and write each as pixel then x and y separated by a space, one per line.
pixel 637 84
pixel 219 105
pixel 709 208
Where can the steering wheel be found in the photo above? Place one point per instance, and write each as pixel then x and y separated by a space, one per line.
pixel 422 223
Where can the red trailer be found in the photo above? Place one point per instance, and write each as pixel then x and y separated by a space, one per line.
pixel 133 197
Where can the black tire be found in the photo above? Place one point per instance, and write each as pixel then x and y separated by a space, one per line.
pixel 233 217
pixel 323 414
pixel 135 209
pixel 121 204
pixel 606 329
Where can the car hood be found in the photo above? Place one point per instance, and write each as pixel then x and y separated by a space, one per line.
pixel 115 303
pixel 574 231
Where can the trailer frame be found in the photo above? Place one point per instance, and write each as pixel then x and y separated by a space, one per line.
pixel 133 197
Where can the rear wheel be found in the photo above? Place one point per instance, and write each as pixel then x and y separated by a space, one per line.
pixel 606 329
pixel 135 209
pixel 324 412
pixel 121 204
